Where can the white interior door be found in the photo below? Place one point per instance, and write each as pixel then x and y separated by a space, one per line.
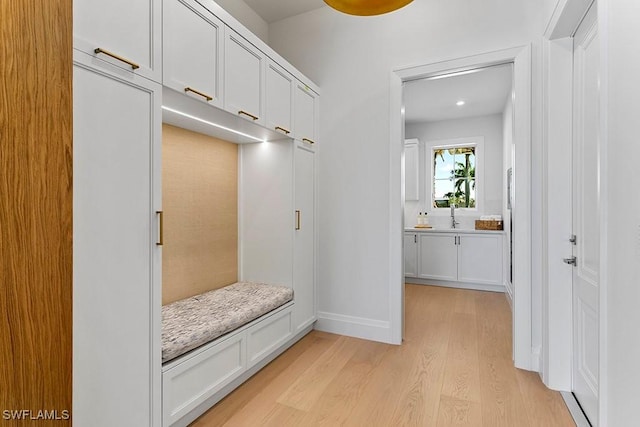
pixel 586 216
pixel 304 255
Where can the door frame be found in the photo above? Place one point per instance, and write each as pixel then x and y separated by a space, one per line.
pixel 557 331
pixel 524 355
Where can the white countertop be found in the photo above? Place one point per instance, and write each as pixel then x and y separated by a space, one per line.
pixel 452 230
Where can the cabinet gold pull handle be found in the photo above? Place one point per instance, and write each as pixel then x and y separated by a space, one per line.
pixel 197 92
pixel 308 140
pixel 283 130
pixel 118 57
pixel 248 114
pixel 160 241
pixel 297 220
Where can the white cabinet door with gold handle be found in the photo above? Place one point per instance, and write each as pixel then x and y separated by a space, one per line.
pixel 193 44
pixel 304 239
pixel 124 33
pixel 116 259
pixel 306 106
pixel 279 99
pixel 244 91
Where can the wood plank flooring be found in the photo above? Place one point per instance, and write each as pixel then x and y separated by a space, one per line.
pixel 453 369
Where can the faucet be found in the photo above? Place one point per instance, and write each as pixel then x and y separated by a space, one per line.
pixel 453 216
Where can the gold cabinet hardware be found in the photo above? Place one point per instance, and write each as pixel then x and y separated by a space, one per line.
pixel 297 220
pixel 160 241
pixel 118 57
pixel 308 140
pixel 248 114
pixel 287 132
pixel 197 92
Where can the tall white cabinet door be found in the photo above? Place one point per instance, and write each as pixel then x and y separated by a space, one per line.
pixel 411 255
pixel 438 256
pixel 480 258
pixel 116 263
pixel 192 51
pixel 243 78
pixel 306 107
pixel 279 98
pixel 304 242
pixel 130 30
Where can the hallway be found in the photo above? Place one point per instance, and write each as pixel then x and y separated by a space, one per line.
pixel 454 368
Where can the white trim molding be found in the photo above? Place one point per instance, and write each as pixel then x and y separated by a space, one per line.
pixel 351 326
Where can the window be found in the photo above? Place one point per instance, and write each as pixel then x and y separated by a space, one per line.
pixel 454 175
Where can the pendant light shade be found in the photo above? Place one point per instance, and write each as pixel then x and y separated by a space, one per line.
pixel 367 7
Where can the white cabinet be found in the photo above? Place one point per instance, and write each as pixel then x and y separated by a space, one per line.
pixel 127 33
pixel 411 170
pixel 438 256
pixel 461 257
pixel 480 258
pixel 306 106
pixel 116 262
pixel 243 78
pixel 193 51
pixel 411 254
pixel 279 98
pixel 304 240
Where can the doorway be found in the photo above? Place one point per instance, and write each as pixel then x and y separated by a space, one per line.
pixel 458 151
pixel 521 59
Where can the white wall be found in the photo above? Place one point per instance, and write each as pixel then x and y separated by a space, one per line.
pixel 247 16
pixel 621 38
pixel 351 58
pixel 490 195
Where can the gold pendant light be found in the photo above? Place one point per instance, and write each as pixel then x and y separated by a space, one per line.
pixel 367 7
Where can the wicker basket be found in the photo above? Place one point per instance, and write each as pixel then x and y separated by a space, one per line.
pixel 484 224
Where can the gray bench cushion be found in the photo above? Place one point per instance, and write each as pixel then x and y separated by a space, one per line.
pixel 192 322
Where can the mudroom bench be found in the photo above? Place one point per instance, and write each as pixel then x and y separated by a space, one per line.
pixel 213 342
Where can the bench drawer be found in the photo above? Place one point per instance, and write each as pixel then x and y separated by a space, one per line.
pixel 267 335
pixel 188 384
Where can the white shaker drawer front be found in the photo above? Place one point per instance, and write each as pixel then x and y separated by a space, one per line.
pixel 187 385
pixel 266 336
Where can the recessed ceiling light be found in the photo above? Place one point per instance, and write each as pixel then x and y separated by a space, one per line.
pixel 460 103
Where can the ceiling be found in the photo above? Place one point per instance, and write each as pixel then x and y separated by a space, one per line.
pixel 275 10
pixel 484 92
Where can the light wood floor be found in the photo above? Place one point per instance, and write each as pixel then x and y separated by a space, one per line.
pixel 454 369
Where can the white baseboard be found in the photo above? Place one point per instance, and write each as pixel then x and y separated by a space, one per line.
pixel 536 360
pixel 509 293
pixel 575 410
pixel 358 327
pixel 457 285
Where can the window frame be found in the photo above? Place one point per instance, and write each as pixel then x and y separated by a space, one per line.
pixel 432 146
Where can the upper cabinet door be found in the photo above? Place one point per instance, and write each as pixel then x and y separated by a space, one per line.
pixel 125 33
pixel 306 114
pixel 411 170
pixel 192 51
pixel 243 78
pixel 279 99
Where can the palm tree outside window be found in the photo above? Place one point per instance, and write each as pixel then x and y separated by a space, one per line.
pixel 454 176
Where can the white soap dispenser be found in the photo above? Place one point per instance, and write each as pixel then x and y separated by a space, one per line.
pixel 420 218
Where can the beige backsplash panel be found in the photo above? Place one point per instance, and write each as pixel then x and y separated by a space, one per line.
pixel 200 202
